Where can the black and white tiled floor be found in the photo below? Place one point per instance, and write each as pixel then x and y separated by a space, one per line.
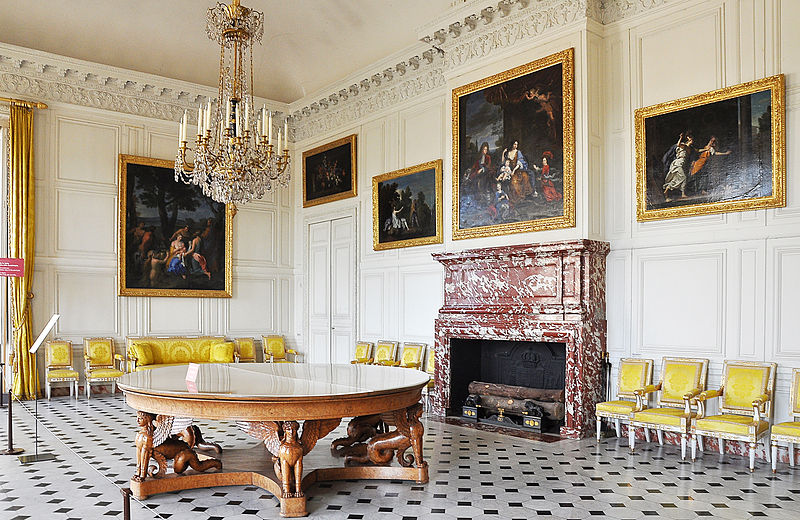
pixel 473 474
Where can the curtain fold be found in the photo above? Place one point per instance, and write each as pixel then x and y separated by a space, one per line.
pixel 21 236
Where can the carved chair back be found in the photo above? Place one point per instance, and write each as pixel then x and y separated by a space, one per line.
pixel 680 376
pixel 385 352
pixel 363 352
pixel 99 352
pixel 58 354
pixel 634 373
pixel 246 347
pixel 745 381
pixel 412 355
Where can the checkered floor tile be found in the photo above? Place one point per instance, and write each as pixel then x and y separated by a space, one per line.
pixel 473 474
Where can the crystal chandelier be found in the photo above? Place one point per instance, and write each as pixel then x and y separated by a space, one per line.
pixel 235 157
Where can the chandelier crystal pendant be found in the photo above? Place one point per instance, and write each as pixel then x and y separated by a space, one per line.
pixel 235 157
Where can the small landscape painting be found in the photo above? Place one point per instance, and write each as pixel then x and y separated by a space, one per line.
pixel 407 207
pixel 329 172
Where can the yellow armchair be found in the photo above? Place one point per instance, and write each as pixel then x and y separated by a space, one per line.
pixel 682 379
pixel 412 355
pixel 101 364
pixel 385 353
pixel 634 373
pixel 363 353
pixel 747 392
pixel 275 350
pixel 788 432
pixel 430 369
pixel 245 350
pixel 58 366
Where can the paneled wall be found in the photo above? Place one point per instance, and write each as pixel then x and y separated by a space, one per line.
pixel 718 286
pixel 76 222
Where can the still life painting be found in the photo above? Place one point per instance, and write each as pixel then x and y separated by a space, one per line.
pixel 329 172
pixel 711 153
pixel 514 150
pixel 407 207
pixel 173 240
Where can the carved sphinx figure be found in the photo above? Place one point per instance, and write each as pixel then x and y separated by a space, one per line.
pixel 281 439
pixel 155 441
pixel 382 447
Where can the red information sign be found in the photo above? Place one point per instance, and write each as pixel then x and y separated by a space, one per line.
pixel 12 267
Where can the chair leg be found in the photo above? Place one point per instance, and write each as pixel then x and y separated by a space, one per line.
pixel 660 435
pixel 631 438
pixel 791 454
pixel 721 446
pixel 700 442
pixel 694 447
pixel 766 448
pixel 647 434
pixel 88 390
pixel 774 451
pixel 113 387
pixel 618 427
pixel 599 427
pixel 683 445
pixel 752 456
pixel 48 390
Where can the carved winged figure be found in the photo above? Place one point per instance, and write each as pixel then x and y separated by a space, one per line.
pixel 360 429
pixel 156 440
pixel 281 439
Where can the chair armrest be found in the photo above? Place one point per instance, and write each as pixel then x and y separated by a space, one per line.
pixel 691 394
pixel 412 365
pixel 641 395
pixel 130 366
pixel 701 399
pixel 758 406
pixel 236 357
pixel 121 359
pixel 761 400
pixel 291 351
pixel 86 357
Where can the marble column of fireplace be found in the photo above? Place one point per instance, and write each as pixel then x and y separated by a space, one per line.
pixel 546 292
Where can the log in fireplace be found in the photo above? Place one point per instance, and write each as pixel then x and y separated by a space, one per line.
pixel 543 294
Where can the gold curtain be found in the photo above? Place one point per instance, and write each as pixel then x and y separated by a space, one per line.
pixel 21 235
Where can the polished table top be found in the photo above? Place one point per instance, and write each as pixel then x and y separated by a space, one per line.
pixel 279 384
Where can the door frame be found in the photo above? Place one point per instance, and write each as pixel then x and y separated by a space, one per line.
pixel 308 221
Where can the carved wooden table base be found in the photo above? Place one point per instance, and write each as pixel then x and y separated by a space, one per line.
pixel 368 451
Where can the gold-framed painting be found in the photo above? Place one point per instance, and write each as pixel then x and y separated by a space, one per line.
pixel 514 150
pixel 407 207
pixel 329 172
pixel 715 152
pixel 173 240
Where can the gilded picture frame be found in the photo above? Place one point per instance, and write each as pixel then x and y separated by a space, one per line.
pixel 402 215
pixel 173 240
pixel 329 172
pixel 497 121
pixel 715 152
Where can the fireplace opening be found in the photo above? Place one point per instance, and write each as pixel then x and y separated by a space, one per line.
pixel 525 372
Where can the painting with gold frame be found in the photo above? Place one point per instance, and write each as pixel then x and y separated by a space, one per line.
pixel 407 207
pixel 712 153
pixel 329 172
pixel 173 240
pixel 514 150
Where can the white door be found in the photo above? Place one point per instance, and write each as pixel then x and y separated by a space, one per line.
pixel 331 290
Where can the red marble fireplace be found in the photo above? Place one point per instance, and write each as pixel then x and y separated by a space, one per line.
pixel 554 292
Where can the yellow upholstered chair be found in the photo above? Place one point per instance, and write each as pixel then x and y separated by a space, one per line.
pixel 745 406
pixel 634 373
pixel 100 363
pixel 412 355
pixel 788 432
pixel 58 366
pixel 385 353
pixel 245 350
pixel 363 353
pixel 275 350
pixel 430 369
pixel 681 379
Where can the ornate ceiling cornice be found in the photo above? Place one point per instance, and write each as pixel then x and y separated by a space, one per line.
pixel 41 76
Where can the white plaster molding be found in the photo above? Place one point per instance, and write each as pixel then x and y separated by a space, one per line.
pixel 615 10
pixel 43 76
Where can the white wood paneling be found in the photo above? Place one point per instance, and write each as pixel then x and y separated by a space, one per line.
pixel 421 298
pixel 86 299
pixel 174 316
pixel 86 222
pixel 681 302
pixel 252 312
pixel 255 238
pixel 87 151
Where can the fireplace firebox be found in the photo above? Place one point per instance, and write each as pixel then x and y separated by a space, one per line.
pixel 535 294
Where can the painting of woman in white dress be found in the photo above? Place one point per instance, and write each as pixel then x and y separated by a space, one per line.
pixel 711 153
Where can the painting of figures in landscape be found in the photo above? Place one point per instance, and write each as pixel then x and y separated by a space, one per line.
pixel 329 172
pixel 710 153
pixel 407 207
pixel 174 241
pixel 513 147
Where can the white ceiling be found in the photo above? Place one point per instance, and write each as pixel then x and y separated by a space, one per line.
pixel 307 44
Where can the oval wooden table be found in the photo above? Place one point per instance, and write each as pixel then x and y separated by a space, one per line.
pixel 267 401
